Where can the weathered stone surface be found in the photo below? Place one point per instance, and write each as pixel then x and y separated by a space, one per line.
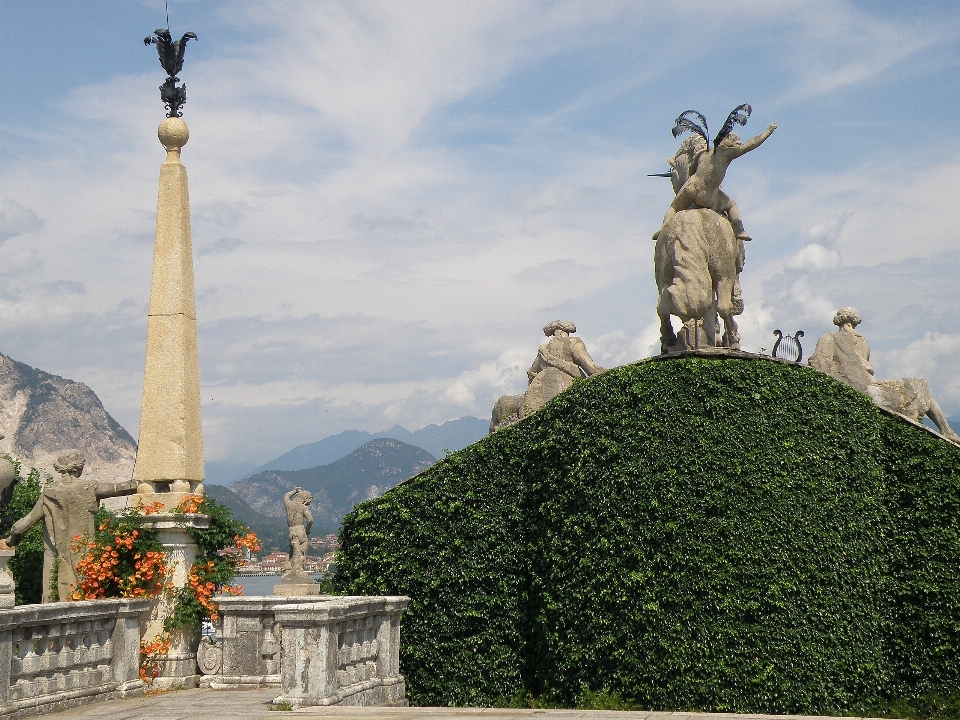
pixel 911 397
pixel 67 507
pixel 292 589
pixel 7 475
pixel 41 414
pixel 697 261
pixel 170 453
pixel 248 639
pixel 345 650
pixel 88 651
pixel 7 586
pixel 845 355
pixel 296 503
pixel 559 362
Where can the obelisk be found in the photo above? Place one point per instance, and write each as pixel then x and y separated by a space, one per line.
pixel 170 449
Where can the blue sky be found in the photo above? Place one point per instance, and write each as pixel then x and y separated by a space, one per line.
pixel 391 199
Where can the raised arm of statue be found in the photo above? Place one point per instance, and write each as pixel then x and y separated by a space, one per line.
pixel 755 142
pixel 22 526
pixel 111 488
pixel 548 359
pixel 582 357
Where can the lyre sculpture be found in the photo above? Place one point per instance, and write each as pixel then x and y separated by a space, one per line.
pixel 787 347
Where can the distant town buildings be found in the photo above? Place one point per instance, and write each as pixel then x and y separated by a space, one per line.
pixel 272 564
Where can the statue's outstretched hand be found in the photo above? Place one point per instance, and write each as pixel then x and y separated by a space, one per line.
pixel 772 127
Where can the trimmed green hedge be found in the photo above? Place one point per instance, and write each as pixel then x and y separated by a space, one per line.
pixel 715 534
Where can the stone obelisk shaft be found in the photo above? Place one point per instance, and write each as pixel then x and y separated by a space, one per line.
pixel 170 448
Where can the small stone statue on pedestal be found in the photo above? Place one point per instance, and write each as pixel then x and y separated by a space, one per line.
pixel 295 580
pixel 67 508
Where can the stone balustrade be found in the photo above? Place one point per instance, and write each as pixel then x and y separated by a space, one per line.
pixel 319 651
pixel 59 655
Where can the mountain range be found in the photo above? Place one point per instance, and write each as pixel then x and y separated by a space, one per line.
pixel 435 439
pixel 365 473
pixel 41 415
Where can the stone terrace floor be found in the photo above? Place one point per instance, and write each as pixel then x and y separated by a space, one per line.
pixel 251 704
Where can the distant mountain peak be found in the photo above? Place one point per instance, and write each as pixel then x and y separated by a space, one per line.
pixel 42 415
pixel 435 439
pixel 367 472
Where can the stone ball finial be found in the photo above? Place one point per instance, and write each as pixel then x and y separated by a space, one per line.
pixel 173 133
pixel 550 328
pixel 847 316
pixel 70 462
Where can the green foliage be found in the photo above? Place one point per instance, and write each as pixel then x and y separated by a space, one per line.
pixel 932 706
pixel 27 564
pixel 213 571
pixel 711 534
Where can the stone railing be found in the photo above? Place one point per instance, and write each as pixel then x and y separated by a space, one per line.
pixel 246 653
pixel 64 654
pixel 319 651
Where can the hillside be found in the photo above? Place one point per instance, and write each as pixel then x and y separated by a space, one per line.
pixel 41 415
pixel 724 533
pixel 272 531
pixel 367 472
pixel 435 439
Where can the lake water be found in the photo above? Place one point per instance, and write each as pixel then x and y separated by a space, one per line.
pixel 253 586
pixel 257 585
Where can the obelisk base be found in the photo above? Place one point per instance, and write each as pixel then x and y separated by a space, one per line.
pixel 179 667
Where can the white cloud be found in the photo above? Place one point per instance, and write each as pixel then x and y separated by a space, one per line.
pixel 15 219
pixel 389 200
pixel 814 257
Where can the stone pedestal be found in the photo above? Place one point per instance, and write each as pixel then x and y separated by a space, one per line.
pixel 296 589
pixel 170 447
pixel 179 668
pixel 6 580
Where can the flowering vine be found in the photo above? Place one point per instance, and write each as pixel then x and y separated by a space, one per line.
pixel 123 559
pixel 214 569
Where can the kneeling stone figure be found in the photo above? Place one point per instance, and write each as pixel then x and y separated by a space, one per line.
pixel 845 355
pixel 559 362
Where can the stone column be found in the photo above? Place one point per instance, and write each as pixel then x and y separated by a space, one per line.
pixel 179 668
pixel 170 447
pixel 126 646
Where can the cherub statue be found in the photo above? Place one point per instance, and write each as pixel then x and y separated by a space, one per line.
pixel 296 503
pixel 705 168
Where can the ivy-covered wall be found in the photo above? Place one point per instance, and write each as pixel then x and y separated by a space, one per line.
pixel 718 534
